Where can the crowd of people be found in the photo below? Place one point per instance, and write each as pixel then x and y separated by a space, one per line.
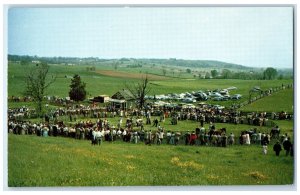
pixel 202 114
pixel 131 127
pixel 133 131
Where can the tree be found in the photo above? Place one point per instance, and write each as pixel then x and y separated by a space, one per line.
pixel 37 82
pixel 214 73
pixel 270 73
pixel 226 74
pixel 207 75
pixel 116 65
pixel 77 89
pixel 188 70
pixel 139 91
pixel 164 72
pixel 24 62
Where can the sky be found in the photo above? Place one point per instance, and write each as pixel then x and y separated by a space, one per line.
pixel 250 36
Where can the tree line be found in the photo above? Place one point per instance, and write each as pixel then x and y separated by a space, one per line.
pixel 267 74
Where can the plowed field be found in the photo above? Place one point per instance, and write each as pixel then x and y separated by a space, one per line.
pixel 131 75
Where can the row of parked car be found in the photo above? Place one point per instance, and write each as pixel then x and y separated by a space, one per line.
pixel 192 97
pixel 179 106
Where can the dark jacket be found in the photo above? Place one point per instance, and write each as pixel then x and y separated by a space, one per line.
pixel 277 147
pixel 287 145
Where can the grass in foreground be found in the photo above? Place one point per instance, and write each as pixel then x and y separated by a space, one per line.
pixel 38 162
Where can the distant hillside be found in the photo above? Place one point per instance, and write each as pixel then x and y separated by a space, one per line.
pixel 208 64
pixel 171 61
pixel 197 63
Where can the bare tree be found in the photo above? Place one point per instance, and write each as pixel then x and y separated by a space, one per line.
pixel 139 91
pixel 37 82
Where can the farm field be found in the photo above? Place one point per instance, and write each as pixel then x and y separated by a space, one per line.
pixel 97 84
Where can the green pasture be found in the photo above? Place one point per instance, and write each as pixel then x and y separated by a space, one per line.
pixel 156 69
pixel 56 162
pixel 280 101
pixel 97 84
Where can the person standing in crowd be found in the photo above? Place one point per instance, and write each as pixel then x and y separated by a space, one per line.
pixel 287 145
pixel 277 148
pixel 172 139
pixel 135 137
pixel 161 136
pixel 99 136
pixel 177 138
pixel 192 139
pixel 93 137
pixel 155 122
pixel 247 139
pixel 149 136
pixel 187 137
pixel 258 140
pixel 157 138
pixel 231 139
pixel 168 137
pixel 263 138
pixel 202 120
pixel 265 148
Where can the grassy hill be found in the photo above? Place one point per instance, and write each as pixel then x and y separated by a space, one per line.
pixel 53 161
pixel 99 83
pixel 280 101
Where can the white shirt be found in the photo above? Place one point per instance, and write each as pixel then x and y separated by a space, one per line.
pixel 124 132
pixel 161 135
pixel 119 132
pixel 98 134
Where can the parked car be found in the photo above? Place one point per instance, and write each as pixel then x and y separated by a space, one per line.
pixel 224 92
pixel 226 97
pixel 215 94
pixel 231 88
pixel 200 96
pixel 188 106
pixel 189 100
pixel 218 98
pixel 219 107
pixel 236 97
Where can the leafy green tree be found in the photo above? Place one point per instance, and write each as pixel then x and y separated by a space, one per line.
pixel 207 75
pixel 77 89
pixel 226 74
pixel 164 72
pixel 116 65
pixel 214 73
pixel 188 70
pixel 24 62
pixel 270 73
pixel 37 81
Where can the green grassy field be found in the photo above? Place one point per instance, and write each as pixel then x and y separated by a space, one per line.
pixel 39 162
pixel 36 161
pixel 280 101
pixel 99 84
